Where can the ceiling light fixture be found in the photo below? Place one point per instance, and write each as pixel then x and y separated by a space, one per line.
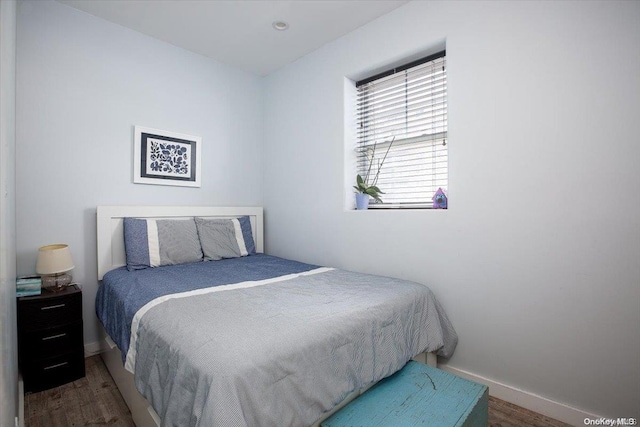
pixel 280 25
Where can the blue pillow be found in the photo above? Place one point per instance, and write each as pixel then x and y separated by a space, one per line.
pixel 247 234
pixel 225 238
pixel 153 243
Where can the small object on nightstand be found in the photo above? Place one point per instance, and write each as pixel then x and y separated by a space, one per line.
pixel 50 341
pixel 54 261
pixel 27 286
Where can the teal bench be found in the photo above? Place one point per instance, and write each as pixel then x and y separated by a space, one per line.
pixel 417 395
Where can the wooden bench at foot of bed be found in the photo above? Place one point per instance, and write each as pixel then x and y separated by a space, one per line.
pixel 417 395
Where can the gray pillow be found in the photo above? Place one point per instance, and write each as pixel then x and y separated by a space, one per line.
pixel 152 243
pixel 225 238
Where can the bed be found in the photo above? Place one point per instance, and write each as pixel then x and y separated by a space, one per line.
pixel 253 340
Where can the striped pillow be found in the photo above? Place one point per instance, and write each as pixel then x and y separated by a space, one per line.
pixel 225 238
pixel 153 243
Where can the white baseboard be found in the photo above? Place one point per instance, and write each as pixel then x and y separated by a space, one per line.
pixel 527 400
pixel 93 348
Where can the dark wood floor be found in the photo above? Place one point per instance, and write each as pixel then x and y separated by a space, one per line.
pixel 91 401
pixel 95 401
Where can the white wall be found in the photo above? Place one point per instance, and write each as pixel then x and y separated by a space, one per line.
pixel 83 83
pixel 537 259
pixel 8 343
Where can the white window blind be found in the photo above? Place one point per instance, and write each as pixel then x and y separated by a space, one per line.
pixel 409 106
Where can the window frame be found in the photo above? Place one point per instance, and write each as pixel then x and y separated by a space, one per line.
pixel 411 142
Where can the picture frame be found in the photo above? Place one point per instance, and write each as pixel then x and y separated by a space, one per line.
pixel 162 157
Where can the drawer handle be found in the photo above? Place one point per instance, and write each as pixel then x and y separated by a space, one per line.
pixel 52 337
pixel 52 306
pixel 56 366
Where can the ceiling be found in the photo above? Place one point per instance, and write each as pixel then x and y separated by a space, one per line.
pixel 240 33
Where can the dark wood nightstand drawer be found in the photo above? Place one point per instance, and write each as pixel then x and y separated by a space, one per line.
pixel 47 373
pixel 35 313
pixel 51 342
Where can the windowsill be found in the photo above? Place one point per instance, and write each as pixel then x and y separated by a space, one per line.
pixel 398 208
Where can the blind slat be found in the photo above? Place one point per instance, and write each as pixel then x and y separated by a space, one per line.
pixel 427 94
pixel 403 104
pixel 410 125
pixel 434 112
pixel 371 98
pixel 421 157
pixel 412 133
pixel 426 62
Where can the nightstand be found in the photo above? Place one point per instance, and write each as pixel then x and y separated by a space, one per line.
pixel 50 341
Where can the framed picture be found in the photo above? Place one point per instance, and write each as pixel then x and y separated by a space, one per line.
pixel 166 158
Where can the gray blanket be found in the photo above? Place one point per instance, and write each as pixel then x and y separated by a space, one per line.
pixel 285 353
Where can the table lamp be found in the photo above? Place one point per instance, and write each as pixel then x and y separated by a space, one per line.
pixel 54 261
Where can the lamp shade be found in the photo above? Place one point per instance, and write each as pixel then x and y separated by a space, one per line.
pixel 54 259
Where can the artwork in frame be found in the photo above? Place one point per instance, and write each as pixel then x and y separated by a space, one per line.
pixel 166 158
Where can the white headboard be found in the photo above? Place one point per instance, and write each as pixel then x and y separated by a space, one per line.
pixel 110 231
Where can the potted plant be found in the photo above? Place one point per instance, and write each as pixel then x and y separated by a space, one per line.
pixel 365 189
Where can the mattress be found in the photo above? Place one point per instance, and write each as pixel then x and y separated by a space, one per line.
pixel 263 341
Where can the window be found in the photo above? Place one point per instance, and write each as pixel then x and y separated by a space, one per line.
pixel 402 113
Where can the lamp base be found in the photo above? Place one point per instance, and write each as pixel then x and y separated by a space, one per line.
pixel 56 282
